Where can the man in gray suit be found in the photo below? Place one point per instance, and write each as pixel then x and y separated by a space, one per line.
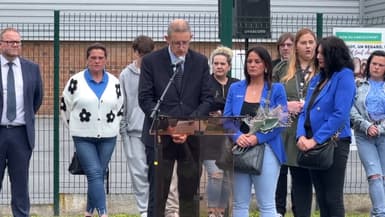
pixel 21 96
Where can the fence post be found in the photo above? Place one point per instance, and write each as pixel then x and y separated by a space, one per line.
pixel 319 36
pixel 319 25
pixel 226 22
pixel 56 82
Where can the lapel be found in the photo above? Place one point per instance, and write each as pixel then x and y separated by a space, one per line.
pixel 241 94
pixel 188 74
pixel 324 90
pixel 1 83
pixel 239 97
pixel 26 77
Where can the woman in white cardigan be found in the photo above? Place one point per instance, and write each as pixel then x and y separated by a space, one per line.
pixel 92 107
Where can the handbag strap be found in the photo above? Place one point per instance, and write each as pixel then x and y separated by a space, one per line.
pixel 267 100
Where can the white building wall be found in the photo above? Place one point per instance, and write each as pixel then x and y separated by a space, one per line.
pixel 332 7
pixel 373 8
pixel 41 10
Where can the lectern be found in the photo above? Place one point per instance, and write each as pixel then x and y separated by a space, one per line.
pixel 207 140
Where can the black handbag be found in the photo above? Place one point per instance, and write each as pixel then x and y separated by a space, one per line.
pixel 318 158
pixel 321 156
pixel 249 159
pixel 225 158
pixel 75 168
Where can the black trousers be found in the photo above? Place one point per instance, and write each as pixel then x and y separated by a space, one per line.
pixel 15 153
pixel 301 191
pixel 188 171
pixel 329 184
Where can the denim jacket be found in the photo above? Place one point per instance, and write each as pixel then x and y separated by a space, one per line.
pixel 359 116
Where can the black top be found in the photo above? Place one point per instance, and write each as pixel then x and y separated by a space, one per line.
pixel 219 92
pixel 248 109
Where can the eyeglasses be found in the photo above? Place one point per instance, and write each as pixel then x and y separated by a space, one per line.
pixel 180 43
pixel 12 43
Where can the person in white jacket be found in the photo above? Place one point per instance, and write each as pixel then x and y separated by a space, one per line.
pixel 92 107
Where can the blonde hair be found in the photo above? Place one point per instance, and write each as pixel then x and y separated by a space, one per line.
pixel 222 50
pixel 293 59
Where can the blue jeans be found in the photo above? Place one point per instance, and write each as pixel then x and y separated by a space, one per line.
pixel 372 154
pixel 218 185
pixel 264 187
pixel 94 155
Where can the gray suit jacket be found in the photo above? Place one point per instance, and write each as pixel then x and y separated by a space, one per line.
pixel 33 96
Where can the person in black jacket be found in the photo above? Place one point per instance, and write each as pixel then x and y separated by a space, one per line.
pixel 188 96
pixel 218 186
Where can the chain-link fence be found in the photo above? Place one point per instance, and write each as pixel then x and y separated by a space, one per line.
pixel 76 30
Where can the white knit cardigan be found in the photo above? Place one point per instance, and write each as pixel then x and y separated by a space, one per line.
pixel 85 114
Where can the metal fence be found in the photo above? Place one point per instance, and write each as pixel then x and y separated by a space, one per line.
pixel 59 48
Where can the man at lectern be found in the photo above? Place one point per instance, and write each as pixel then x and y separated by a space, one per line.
pixel 187 96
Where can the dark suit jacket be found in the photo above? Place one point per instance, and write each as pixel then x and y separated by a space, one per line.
pixel 195 98
pixel 33 96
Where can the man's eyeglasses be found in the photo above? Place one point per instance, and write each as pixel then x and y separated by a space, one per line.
pixel 180 43
pixel 12 43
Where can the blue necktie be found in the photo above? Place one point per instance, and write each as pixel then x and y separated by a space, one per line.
pixel 11 95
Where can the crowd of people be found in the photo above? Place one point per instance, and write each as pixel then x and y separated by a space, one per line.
pixel 316 81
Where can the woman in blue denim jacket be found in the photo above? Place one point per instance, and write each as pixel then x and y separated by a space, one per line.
pixel 327 106
pixel 244 97
pixel 368 119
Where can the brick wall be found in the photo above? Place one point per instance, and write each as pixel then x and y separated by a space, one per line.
pixel 73 60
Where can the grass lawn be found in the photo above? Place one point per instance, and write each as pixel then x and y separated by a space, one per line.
pixel 254 214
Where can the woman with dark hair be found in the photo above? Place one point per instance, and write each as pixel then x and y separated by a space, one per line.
pixel 329 98
pixel 244 98
pixel 368 118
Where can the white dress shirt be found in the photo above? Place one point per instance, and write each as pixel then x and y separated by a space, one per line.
pixel 18 90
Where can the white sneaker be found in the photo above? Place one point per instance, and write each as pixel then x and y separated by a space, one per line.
pixel 143 214
pixel 279 215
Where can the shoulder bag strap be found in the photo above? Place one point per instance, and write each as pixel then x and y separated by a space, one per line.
pixel 267 100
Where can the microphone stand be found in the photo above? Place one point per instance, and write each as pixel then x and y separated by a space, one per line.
pixel 155 113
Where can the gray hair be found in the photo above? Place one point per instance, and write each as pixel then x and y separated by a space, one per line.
pixel 178 25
